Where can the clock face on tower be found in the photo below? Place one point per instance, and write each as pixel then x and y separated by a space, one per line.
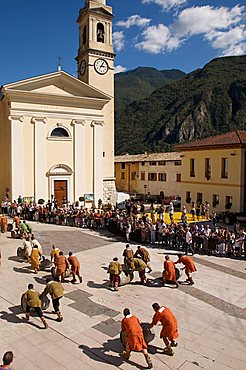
pixel 82 67
pixel 101 66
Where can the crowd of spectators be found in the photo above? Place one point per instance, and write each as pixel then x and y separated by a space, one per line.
pixel 136 224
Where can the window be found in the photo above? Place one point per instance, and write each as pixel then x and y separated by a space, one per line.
pixel 208 168
pixel 178 177
pixel 152 176
pixel 143 163
pixel 192 167
pixel 177 163
pixel 59 132
pixel 123 166
pixel 143 176
pixel 188 197
pixel 100 33
pixel 84 35
pixel 228 204
pixel 224 168
pixel 162 177
pixel 122 176
pixel 199 197
pixel 216 200
pixel 162 163
pixel 133 176
pixel 151 163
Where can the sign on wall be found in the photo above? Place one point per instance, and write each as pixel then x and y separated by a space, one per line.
pixel 89 197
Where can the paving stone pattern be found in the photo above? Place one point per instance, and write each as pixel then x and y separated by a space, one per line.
pixel 82 303
pixel 109 327
pixel 71 240
pixel 221 268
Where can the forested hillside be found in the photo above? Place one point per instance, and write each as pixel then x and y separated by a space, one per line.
pixel 206 102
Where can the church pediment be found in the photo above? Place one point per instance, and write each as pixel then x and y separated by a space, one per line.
pixel 56 84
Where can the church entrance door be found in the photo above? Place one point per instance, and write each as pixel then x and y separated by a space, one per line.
pixel 60 190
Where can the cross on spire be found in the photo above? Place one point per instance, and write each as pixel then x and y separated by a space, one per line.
pixel 59 58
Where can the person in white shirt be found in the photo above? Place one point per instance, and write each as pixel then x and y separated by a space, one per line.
pixel 188 241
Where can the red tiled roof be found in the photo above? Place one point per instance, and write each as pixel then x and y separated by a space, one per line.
pixel 237 137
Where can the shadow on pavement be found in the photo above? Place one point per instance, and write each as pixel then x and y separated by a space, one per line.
pixel 41 280
pixel 92 284
pixel 99 354
pixel 16 259
pixel 13 316
pixel 23 270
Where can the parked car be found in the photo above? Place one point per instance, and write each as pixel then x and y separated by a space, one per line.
pixel 153 199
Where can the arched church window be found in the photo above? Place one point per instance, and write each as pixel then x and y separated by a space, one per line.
pixel 59 132
pixel 100 32
pixel 84 35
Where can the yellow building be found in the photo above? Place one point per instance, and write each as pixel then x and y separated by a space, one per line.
pixel 213 170
pixel 57 131
pixel 149 173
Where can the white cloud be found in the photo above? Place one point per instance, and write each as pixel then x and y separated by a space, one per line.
pixel 156 39
pixel 119 69
pixel 166 4
pixel 204 19
pixel 134 20
pixel 118 40
pixel 222 27
pixel 221 40
pixel 239 49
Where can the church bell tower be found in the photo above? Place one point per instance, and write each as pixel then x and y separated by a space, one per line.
pixel 96 55
pixel 96 68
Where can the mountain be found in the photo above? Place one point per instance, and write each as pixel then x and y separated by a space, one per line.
pixel 140 83
pixel 206 102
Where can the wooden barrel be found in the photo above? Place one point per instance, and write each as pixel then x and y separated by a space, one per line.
pixel 124 279
pixel 53 273
pixel 178 273
pixel 45 264
pixel 147 333
pixel 20 252
pixel 45 302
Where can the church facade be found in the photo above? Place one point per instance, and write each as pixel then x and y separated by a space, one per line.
pixel 57 131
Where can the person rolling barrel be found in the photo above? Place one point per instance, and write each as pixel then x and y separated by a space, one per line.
pixel 32 300
pixel 169 272
pixel 114 271
pixel 133 339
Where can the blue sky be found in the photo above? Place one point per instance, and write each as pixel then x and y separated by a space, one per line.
pixel 164 34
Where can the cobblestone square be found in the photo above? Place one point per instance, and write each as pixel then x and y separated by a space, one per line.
pixel 211 314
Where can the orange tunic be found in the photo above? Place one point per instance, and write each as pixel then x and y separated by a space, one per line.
pixel 62 264
pixel 189 264
pixel 130 326
pixel 75 265
pixel 169 271
pixel 34 258
pixel 168 321
pixel 4 224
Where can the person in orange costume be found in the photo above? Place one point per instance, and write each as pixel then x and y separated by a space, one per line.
pixel 4 224
pixel 169 272
pixel 189 267
pixel 62 265
pixel 169 330
pixel 132 334
pixel 75 267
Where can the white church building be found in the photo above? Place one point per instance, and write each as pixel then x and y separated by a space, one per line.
pixel 57 131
